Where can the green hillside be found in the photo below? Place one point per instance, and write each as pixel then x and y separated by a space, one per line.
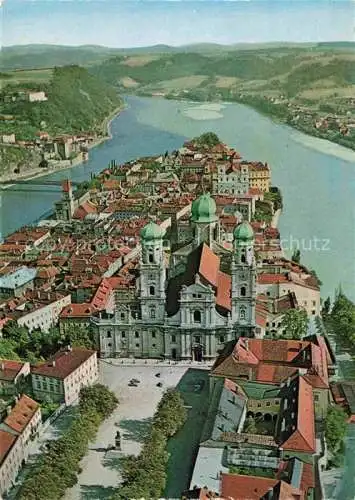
pixel 77 101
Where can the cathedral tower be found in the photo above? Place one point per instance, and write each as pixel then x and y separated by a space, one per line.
pixel 243 280
pixel 152 274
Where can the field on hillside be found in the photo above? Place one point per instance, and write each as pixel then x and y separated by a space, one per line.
pixel 27 76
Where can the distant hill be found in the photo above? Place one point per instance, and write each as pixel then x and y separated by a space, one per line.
pixel 48 56
pixel 77 101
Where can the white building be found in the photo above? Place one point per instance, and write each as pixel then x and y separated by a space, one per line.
pixel 189 308
pixel 61 378
pixel 16 431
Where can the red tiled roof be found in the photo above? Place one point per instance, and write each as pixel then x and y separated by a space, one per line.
pixel 223 294
pixel 63 363
pixel 209 265
pixel 269 278
pixel 66 185
pixel 303 439
pixel 9 369
pixel 84 209
pixel 238 487
pixel 6 442
pixel 22 414
pixel 77 311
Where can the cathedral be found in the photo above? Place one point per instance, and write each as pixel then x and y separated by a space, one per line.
pixel 187 303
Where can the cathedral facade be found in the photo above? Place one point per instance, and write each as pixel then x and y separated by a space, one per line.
pixel 189 305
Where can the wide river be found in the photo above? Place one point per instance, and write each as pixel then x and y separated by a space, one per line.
pixel 317 178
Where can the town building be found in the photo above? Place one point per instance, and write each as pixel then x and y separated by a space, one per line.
pixel 231 178
pixel 20 426
pixel 259 176
pixel 36 310
pixel 189 307
pixel 15 283
pixel 274 361
pixel 61 377
pixel 13 376
pixel 38 96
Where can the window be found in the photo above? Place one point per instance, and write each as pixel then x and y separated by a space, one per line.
pixel 268 403
pixel 173 338
pixel 197 339
pixel 243 291
pixel 123 315
pixel 259 405
pixel 123 335
pixel 221 339
pixel 151 290
pixel 199 296
pixel 152 313
pixel 136 334
pixel 316 397
pixel 243 259
pixel 151 258
pixel 197 316
pixel 109 335
pixel 313 312
pixel 153 345
pixel 242 313
pixel 313 303
pixel 153 335
pixel 137 345
pixel 109 344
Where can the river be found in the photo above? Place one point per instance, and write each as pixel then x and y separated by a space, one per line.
pixel 317 178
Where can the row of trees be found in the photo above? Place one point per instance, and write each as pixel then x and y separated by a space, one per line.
pixel 144 476
pixel 18 343
pixel 57 468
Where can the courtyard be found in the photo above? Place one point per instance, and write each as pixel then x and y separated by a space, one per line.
pixel 137 404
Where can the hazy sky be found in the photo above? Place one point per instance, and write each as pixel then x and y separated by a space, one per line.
pixel 130 23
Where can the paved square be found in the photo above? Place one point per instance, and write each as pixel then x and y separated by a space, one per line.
pixel 100 468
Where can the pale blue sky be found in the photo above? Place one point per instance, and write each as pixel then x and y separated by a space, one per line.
pixel 129 23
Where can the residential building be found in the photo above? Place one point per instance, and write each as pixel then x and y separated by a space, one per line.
pixel 39 310
pixel 38 96
pixel 259 176
pixel 13 375
pixel 8 139
pixel 15 283
pixel 20 426
pixel 305 288
pixel 61 377
pixel 274 361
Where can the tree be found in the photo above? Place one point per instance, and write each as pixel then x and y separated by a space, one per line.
pixel 294 324
pixel 296 256
pixel 326 307
pixel 8 350
pixel 250 426
pixel 208 139
pixel 80 336
pixel 335 427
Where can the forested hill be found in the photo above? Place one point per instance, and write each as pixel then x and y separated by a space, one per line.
pixel 77 101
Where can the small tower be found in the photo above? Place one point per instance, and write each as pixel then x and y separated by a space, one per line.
pixel 152 274
pixel 243 280
pixel 204 221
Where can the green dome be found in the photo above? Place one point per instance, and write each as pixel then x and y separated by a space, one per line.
pixel 204 209
pixel 152 232
pixel 243 232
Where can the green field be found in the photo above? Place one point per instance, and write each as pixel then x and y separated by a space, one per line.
pixel 26 76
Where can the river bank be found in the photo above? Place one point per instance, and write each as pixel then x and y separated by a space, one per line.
pixel 345 152
pixel 37 172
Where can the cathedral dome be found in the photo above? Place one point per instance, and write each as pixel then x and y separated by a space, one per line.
pixel 243 232
pixel 152 232
pixel 204 209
